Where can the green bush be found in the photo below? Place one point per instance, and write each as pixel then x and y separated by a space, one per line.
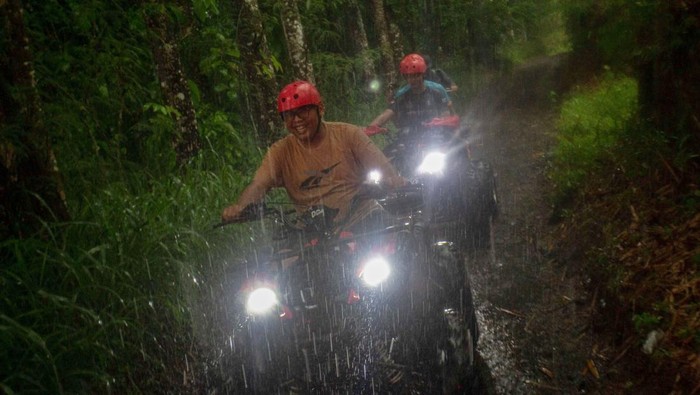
pixel 592 121
pixel 110 301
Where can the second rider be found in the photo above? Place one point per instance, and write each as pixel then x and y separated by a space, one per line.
pixel 415 103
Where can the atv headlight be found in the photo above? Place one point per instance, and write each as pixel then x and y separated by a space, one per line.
pixel 433 163
pixel 374 177
pixel 375 271
pixel 261 300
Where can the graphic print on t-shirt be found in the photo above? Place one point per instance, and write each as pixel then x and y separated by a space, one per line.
pixel 314 180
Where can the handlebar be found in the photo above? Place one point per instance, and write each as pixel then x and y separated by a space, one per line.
pixel 251 212
pixel 258 211
pixel 450 121
pixel 371 130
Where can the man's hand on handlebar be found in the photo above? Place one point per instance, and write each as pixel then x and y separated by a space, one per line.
pixel 371 130
pixel 237 213
pixel 232 213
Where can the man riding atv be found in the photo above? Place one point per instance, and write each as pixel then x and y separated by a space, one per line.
pixel 430 147
pixel 415 103
pixel 319 163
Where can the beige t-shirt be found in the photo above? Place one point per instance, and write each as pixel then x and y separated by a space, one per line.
pixel 329 174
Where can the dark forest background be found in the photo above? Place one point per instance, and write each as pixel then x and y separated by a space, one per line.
pixel 126 126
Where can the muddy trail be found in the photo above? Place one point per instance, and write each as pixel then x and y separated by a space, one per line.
pixel 533 308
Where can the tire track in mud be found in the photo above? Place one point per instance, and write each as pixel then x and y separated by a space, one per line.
pixel 533 314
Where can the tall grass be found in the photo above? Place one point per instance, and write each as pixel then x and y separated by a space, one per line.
pixel 593 120
pixel 110 302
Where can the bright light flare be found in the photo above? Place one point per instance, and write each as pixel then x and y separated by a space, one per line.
pixel 374 86
pixel 374 177
pixel 375 271
pixel 433 163
pixel 261 301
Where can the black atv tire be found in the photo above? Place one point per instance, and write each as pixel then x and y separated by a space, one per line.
pixel 459 332
pixel 481 205
pixel 458 366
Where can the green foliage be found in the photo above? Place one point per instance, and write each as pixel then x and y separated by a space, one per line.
pixel 342 88
pixel 491 33
pixel 96 79
pixel 327 32
pixel 542 32
pixel 625 33
pixel 646 322
pixel 657 40
pixel 204 8
pixel 110 302
pixel 592 122
pixel 120 283
pixel 610 27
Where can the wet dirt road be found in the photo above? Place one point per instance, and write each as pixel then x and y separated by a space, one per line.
pixel 532 310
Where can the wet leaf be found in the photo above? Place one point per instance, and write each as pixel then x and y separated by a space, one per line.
pixel 590 365
pixel 547 372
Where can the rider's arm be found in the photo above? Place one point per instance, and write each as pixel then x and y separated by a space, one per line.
pixel 449 110
pixel 372 157
pixel 444 98
pixel 446 81
pixel 383 118
pixel 263 181
pixel 254 192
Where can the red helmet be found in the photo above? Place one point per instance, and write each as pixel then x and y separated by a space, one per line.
pixel 297 94
pixel 413 64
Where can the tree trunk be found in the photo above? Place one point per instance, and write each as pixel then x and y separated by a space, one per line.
pixel 669 94
pixel 435 17
pixel 395 38
pixel 174 87
pixel 360 41
pixel 388 63
pixel 482 46
pixel 31 191
pixel 259 72
pixel 296 42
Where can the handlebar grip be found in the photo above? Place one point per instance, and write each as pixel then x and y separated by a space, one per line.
pixel 250 213
pixel 222 224
pixel 371 130
pixel 450 121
